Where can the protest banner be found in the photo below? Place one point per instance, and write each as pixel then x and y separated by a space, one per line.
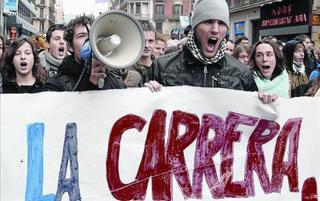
pixel 181 143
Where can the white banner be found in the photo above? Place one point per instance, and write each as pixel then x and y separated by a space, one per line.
pixel 181 143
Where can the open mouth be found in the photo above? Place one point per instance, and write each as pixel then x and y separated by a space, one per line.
pixel 61 49
pixel 23 64
pixel 212 41
pixel 266 67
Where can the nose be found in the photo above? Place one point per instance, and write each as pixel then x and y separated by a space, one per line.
pixel 22 55
pixel 62 41
pixel 215 26
pixel 147 44
pixel 265 58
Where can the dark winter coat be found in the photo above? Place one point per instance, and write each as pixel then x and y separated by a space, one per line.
pixel 12 87
pixel 181 68
pixel 73 76
pixel 0 83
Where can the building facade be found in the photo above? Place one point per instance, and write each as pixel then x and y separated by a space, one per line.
pixel 283 19
pixel 1 18
pixel 169 16
pixel 59 14
pixel 315 21
pixel 18 18
pixel 165 15
pixel 45 16
pixel 246 16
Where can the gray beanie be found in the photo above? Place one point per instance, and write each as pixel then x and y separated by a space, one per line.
pixel 208 10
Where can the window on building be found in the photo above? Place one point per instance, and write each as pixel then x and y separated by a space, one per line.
pixel 41 13
pixel 24 13
pixel 159 26
pixel 131 8
pixel 239 2
pixel 42 2
pixel 159 9
pixel 138 8
pixel 145 8
pixel 159 1
pixel 41 26
pixel 177 9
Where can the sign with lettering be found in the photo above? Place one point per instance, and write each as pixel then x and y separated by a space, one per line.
pixel 10 6
pixel 285 13
pixel 180 143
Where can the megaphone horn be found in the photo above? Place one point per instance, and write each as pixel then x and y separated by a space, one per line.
pixel 116 39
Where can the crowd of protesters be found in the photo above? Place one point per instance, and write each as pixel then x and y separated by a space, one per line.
pixel 205 57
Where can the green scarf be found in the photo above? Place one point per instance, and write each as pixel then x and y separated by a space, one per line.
pixel 278 85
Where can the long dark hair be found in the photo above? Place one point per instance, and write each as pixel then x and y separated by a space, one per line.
pixel 7 68
pixel 279 58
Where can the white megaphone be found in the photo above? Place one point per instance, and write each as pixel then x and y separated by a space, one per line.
pixel 116 39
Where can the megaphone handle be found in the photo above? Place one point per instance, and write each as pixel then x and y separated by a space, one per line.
pixel 100 83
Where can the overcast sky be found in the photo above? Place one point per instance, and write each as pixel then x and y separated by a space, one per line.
pixel 77 7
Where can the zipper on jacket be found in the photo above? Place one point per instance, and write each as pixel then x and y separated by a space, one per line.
pixel 205 71
pixel 215 80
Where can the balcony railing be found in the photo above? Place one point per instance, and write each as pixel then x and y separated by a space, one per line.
pixel 159 16
pixel 175 17
pixel 142 17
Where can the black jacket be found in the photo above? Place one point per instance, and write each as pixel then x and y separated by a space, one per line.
pixel 12 87
pixel 310 62
pixel 0 83
pixel 181 68
pixel 68 78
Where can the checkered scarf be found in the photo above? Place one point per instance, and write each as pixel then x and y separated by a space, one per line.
pixel 191 45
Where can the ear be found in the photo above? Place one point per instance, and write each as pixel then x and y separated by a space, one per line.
pixel 70 48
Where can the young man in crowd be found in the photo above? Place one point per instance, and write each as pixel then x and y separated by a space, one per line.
pixel 57 49
pixel 310 60
pixel 73 74
pixel 160 46
pixel 136 74
pixel 242 40
pixel 203 62
pixel 230 47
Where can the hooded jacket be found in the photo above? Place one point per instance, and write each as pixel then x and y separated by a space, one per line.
pixel 298 81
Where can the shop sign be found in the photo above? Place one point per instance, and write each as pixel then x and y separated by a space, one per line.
pixel 285 13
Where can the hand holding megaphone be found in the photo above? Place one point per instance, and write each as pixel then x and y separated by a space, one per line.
pixel 106 45
pixel 116 39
